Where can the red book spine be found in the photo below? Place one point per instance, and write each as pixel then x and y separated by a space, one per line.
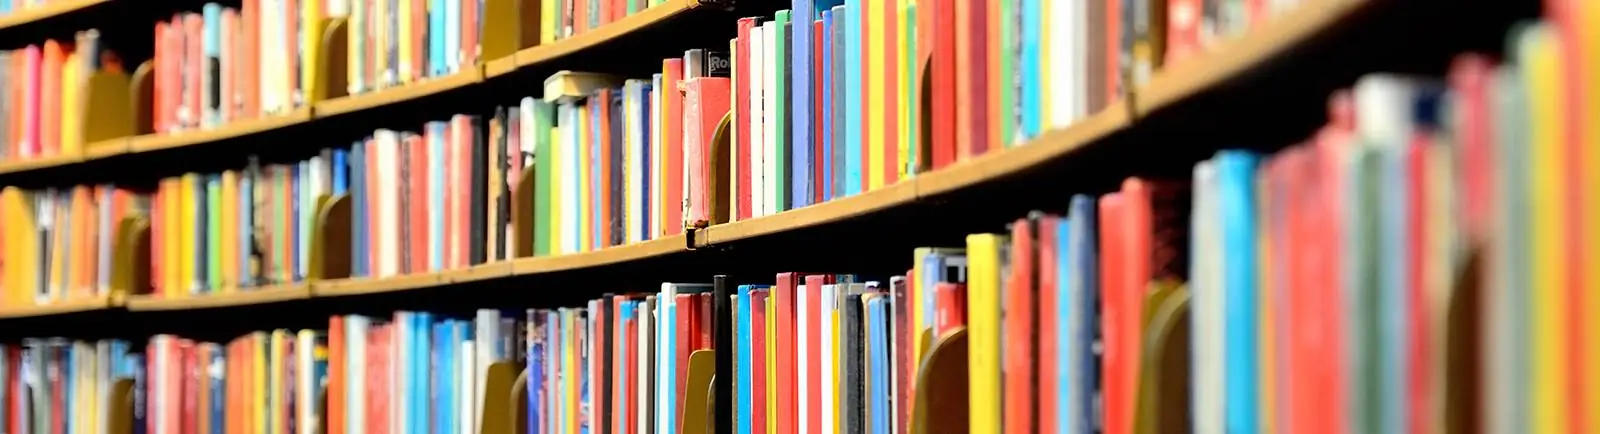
pixel 1416 225
pixel 1019 352
pixel 230 64
pixel 1117 358
pixel 709 103
pixel 461 146
pixel 940 38
pixel 619 363
pixel 193 31
pixel 949 307
pixel 631 394
pixel 758 360
pixel 813 364
pixel 704 323
pixel 685 307
pixel 249 69
pixel 419 39
pixel 189 373
pixel 417 187
pixel 580 16
pixel 1183 29
pixel 336 374
pixel 1048 324
pixel 891 92
pixel 1113 73
pixel 819 92
pixel 783 294
pixel 672 71
pixel 741 117
pixel 972 79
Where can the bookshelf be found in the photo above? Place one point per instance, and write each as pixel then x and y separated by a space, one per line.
pixel 49 10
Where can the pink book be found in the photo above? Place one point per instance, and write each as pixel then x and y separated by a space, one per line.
pixel 33 60
pixel 705 103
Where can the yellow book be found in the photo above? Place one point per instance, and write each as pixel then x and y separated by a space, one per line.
pixel 904 51
pixel 21 276
pixel 983 331
pixel 772 367
pixel 585 200
pixel 380 54
pixel 552 163
pixel 1046 102
pixel 1588 26
pixel 172 216
pixel 572 380
pixel 188 189
pixel 547 21
pixel 312 24
pixel 258 378
pixel 72 82
pixel 60 229
pixel 404 33
pixel 833 366
pixel 1541 63
pixel 873 86
pixel 230 231
pixel 277 360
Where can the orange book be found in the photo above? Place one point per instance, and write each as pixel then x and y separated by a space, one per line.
pixel 194 28
pixel 55 55
pixel 230 63
pixel 336 374
pixel 417 191
pixel 602 165
pixel 470 31
pixel 1117 369
pixel 203 396
pixel 158 59
pixel 248 71
pixel 1113 38
pixel 891 91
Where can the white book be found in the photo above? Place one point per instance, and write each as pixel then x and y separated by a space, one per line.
pixel 830 293
pixel 388 211
pixel 102 380
pixel 486 332
pixel 467 417
pixel 803 353
pixel 665 347
pixel 657 175
pixel 306 387
pixel 1207 319
pixel 771 35
pixel 631 190
pixel 570 234
pixel 739 109
pixel 758 122
pixel 644 375
pixel 399 372
pixel 156 387
pixel 437 197
pixel 355 392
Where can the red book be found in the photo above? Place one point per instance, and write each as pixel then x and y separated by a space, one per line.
pixel 1020 386
pixel 419 38
pixel 972 79
pixel 631 389
pixel 741 117
pixel 672 71
pixel 230 64
pixel 1048 324
pixel 819 92
pixel 377 380
pixel 891 92
pixel 13 387
pixel 813 364
pixel 249 68
pixel 706 102
pixel 783 294
pixel 288 190
pixel 1115 316
pixel 189 382
pixel 940 40
pixel 1113 39
pixel 461 133
pixel 758 360
pixel 1183 29
pixel 417 191
pixel 580 20
pixel 336 374
pixel 949 307
pixel 687 308
pixel 1417 255
pixel 619 362
pixel 1325 408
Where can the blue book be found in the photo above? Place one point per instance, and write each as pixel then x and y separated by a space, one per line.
pixel 421 354
pixel 439 357
pixel 644 155
pixel 877 398
pixel 741 313
pixel 621 375
pixel 536 345
pixel 1084 279
pixel 836 44
pixel 211 50
pixel 437 66
pixel 801 13
pixel 341 171
pixel 1028 67
pixel 247 206
pixel 852 92
pixel 217 383
pixel 437 133
pixel 825 51
pixel 1236 211
pixel 358 209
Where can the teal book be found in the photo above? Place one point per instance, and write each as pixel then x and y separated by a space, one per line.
pixel 211 68
pixel 852 93
pixel 781 149
pixel 1235 200
pixel 1028 61
pixel 437 52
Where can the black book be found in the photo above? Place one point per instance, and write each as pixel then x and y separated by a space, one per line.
pixel 722 329
pixel 615 197
pixel 477 246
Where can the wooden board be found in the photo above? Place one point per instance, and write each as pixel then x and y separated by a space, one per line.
pixel 395 95
pixel 160 141
pixel 47 10
pixel 236 297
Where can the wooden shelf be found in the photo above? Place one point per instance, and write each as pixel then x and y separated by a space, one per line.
pixel 900 193
pixel 15 166
pixel 603 34
pixel 238 297
pixel 65 307
pixel 161 141
pixel 610 255
pixel 375 285
pixel 395 95
pixel 48 10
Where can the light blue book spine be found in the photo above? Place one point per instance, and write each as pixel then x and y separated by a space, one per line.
pixel 218 384
pixel 742 388
pixel 825 52
pixel 802 12
pixel 210 70
pixel 852 92
pixel 214 227
pixel 569 195
pixel 1236 206
pixel 666 348
pixel 437 132
pixel 439 400
pixel 358 208
pixel 5 6
pixel 1083 322
pixel 1393 315
pixel 452 36
pixel 1068 318
pixel 305 211
pixel 879 403
pixel 1028 66
pixel 437 66
pixel 421 355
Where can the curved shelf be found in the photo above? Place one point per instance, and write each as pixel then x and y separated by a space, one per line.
pixel 607 256
pixel 73 306
pixel 396 95
pixel 48 10
pixel 262 295
pixel 39 163
pixel 163 141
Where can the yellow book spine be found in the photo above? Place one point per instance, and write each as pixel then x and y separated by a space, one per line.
pixel 230 231
pixel 1046 102
pixel 404 33
pixel 919 287
pixel 547 21
pixel 276 360
pixel 873 86
pixel 585 200
pixel 1589 34
pixel 258 377
pixel 172 239
pixel 311 26
pixel 1542 67
pixel 572 380
pixel 22 257
pixel 186 231
pixel 772 367
pixel 833 366
pixel 905 49
pixel 71 105
pixel 983 332
pixel 553 164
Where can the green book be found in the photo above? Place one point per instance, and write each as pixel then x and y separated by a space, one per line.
pixel 779 151
pixel 543 114
pixel 1008 72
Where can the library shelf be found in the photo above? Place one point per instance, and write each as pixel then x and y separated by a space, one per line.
pixel 610 255
pixel 61 308
pixel 374 285
pixel 39 163
pixel 396 95
pixel 236 297
pixel 48 10
pixel 162 141
pixel 900 193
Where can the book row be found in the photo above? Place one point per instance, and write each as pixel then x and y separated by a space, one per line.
pixel 42 114
pixel 62 386
pixel 561 19
pixel 12 7
pixel 57 245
